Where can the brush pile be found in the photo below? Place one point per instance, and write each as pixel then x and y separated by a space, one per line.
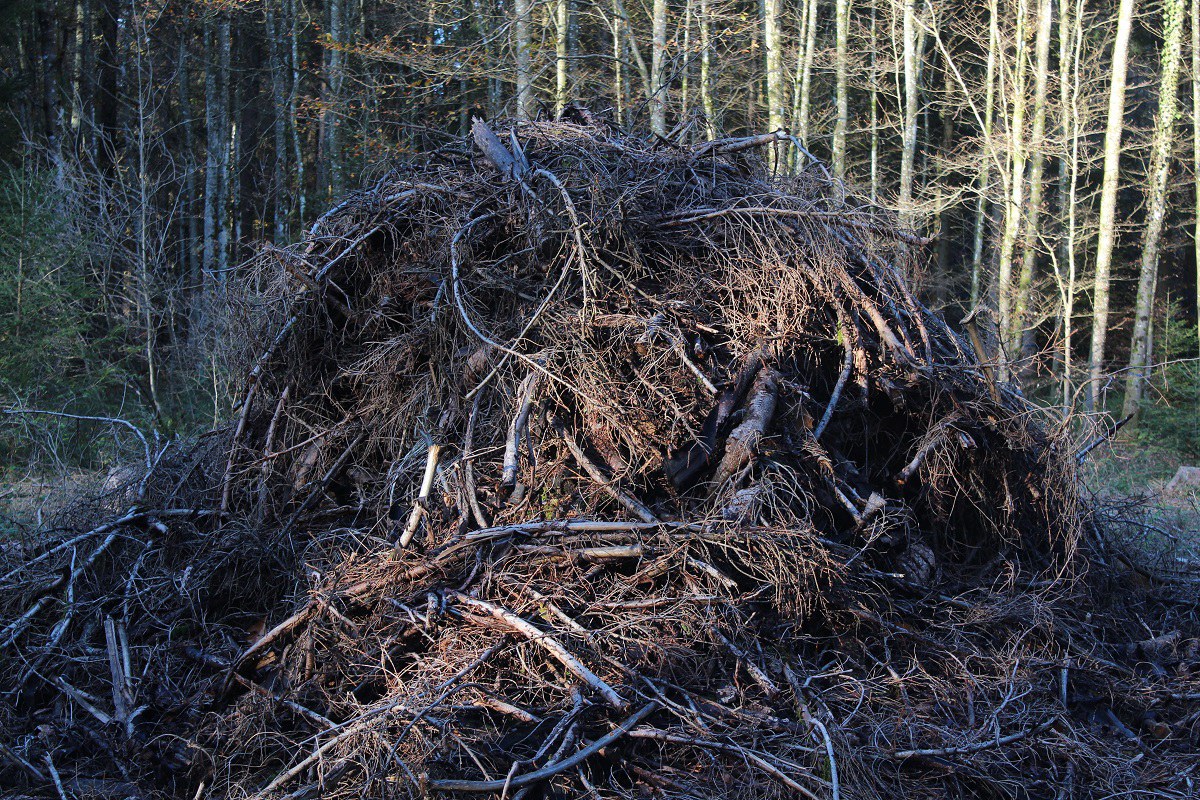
pixel 577 465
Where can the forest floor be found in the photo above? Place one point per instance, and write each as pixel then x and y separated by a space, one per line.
pixel 1138 473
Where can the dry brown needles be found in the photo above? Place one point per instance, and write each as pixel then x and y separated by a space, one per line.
pixel 572 464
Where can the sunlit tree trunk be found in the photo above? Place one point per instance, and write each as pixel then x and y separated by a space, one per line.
pixel 1196 145
pixel 984 178
pixel 658 68
pixel 908 139
pixel 803 102
pixel 773 48
pixel 522 12
pixel 1140 348
pixel 1014 207
pixel 1022 332
pixel 618 54
pixel 841 100
pixel 1106 232
pixel 562 29
pixel 706 89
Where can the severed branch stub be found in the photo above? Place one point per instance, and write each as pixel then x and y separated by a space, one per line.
pixel 418 510
pixel 742 444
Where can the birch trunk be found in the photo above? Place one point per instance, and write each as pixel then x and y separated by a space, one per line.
pixel 983 179
pixel 841 58
pixel 1022 331
pixel 1196 145
pixel 562 26
pixel 909 114
pixel 1140 348
pixel 803 102
pixel 522 12
pixel 706 92
pixel 1014 207
pixel 773 47
pixel 1108 201
pixel 658 66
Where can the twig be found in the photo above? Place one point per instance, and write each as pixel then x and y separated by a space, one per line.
pixel 976 747
pixel 15 628
pixel 133 515
pixel 1102 438
pixel 516 782
pixel 756 672
pixel 149 455
pixel 551 645
pixel 58 784
pixel 754 758
pixel 629 503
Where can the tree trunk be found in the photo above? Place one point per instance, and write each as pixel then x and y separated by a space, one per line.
pixel 1156 205
pixel 658 66
pixel 841 59
pixel 216 123
pixel 873 103
pixel 773 48
pixel 1022 335
pixel 706 89
pixel 335 76
pixel 984 178
pixel 279 121
pixel 1108 201
pixel 562 25
pixel 804 79
pixel 909 115
pixel 1014 208
pixel 1196 146
pixel 522 11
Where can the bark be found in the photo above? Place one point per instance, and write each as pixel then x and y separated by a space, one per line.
pixel 522 11
pixel 841 58
pixel 909 113
pixel 658 65
pixel 1140 349
pixel 1196 145
pixel 804 79
pixel 279 121
pixel 773 48
pixel 1022 332
pixel 216 178
pixel 706 89
pixel 1014 209
pixel 1108 201
pixel 335 77
pixel 562 23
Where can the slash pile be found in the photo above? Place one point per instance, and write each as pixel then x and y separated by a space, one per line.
pixel 578 465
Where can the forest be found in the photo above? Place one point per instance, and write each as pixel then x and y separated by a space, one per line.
pixel 567 399
pixel 1046 148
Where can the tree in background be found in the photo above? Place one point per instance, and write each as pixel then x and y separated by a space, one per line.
pixel 180 134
